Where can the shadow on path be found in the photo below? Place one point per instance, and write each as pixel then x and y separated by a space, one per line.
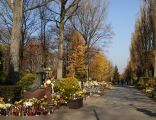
pixel 147 112
pixel 96 115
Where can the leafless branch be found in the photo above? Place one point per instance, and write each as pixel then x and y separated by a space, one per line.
pixel 10 4
pixel 40 5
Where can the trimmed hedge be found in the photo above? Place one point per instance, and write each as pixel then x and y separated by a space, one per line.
pixel 12 92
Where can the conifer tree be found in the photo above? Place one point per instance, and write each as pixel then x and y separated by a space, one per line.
pixel 116 74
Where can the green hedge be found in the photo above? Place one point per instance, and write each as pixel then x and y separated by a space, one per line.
pixel 27 80
pixel 14 93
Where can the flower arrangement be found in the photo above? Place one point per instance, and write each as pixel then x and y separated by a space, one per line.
pixel 96 84
pixel 91 83
pixel 81 92
pixel 25 107
pixel 4 107
pixel 2 103
pixel 58 100
pixel 28 104
pixel 149 90
pixel 48 83
pixel 30 107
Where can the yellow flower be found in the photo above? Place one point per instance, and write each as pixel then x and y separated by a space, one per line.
pixel 148 90
pixel 2 105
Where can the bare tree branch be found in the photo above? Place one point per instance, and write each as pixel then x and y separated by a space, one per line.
pixel 40 5
pixel 10 4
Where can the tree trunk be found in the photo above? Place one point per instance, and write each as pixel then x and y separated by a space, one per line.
pixel 60 52
pixel 154 18
pixel 154 63
pixel 88 62
pixel 60 42
pixel 43 44
pixel 16 37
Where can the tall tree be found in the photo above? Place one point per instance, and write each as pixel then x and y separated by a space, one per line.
pixel 141 62
pixel 66 10
pixel 152 6
pixel 76 56
pixel 16 36
pixel 100 67
pixel 116 75
pixel 90 20
pixel 142 43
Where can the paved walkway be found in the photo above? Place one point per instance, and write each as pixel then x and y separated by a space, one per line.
pixel 120 103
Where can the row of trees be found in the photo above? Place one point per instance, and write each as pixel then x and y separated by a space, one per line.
pixel 63 34
pixel 142 50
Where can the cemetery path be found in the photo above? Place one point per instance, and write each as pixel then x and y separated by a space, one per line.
pixel 119 103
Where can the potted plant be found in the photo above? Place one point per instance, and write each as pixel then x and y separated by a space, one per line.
pixel 70 87
pixel 76 102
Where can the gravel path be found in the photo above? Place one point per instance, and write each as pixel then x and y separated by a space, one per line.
pixel 120 103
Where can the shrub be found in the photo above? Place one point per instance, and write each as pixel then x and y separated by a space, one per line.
pixel 57 88
pixel 27 80
pixel 81 76
pixel 69 86
pixel 151 82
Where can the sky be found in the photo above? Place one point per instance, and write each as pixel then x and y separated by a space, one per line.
pixel 122 14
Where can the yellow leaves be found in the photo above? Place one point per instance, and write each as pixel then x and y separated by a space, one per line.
pixel 76 58
pixel 100 67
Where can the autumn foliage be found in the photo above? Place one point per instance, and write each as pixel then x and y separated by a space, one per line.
pixel 142 48
pixel 76 56
pixel 100 68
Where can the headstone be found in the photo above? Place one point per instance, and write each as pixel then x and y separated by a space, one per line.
pixel 37 82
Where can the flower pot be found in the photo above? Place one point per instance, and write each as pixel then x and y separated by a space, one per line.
pixel 30 113
pixel 76 104
pixel 45 112
pixel 15 113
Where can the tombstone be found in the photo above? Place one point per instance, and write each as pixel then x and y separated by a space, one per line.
pixel 36 91
pixel 38 81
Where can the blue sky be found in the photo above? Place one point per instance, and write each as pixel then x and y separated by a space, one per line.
pixel 122 14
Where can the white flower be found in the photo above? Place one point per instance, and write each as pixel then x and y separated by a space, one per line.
pixel 28 103
pixel 58 96
pixel 8 105
pixel 48 82
pixel 95 83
